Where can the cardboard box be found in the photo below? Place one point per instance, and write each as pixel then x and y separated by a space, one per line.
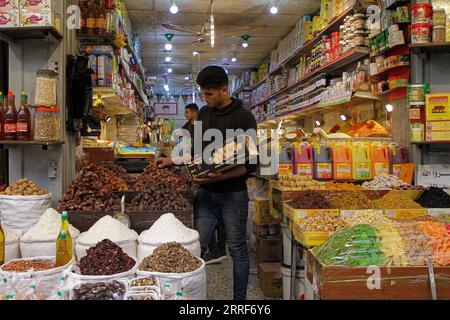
pixel 10 18
pixel 438 107
pixel 224 159
pixel 262 212
pixel 270 279
pixel 6 5
pixel 269 249
pixel 36 4
pixel 37 17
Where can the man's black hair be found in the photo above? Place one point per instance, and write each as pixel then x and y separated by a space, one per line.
pixel 193 107
pixel 212 77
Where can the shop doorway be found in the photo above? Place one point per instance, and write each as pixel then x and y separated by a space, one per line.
pixel 3 88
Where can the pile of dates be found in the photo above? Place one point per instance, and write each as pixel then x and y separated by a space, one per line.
pixel 159 196
pixel 176 178
pixel 113 290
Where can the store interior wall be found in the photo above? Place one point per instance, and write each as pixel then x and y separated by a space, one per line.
pixel 25 58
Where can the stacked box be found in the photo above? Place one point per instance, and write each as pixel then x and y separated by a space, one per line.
pixel 437 117
pixel 270 279
pixel 37 13
pixel 269 249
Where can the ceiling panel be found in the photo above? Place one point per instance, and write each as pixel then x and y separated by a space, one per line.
pixel 233 18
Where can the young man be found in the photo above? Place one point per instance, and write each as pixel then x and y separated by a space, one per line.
pixel 223 197
pixel 191 114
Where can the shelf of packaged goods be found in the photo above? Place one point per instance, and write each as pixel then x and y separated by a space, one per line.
pixel 358 97
pixel 430 47
pixel 394 90
pixel 397 3
pixel 380 74
pixel 106 39
pixel 386 51
pixel 333 26
pixel 139 93
pixel 113 105
pixel 45 145
pixel 333 66
pixel 26 33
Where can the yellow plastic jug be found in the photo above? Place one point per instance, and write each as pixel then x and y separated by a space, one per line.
pixel 362 164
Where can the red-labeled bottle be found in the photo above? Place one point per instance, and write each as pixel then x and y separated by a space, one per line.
pixel 11 119
pixel 2 116
pixel 24 119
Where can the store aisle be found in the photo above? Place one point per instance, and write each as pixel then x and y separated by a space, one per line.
pixel 219 285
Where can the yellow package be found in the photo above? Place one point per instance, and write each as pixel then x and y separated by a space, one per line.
pixel 438 107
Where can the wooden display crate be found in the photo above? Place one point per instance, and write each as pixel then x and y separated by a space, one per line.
pixel 309 238
pixel 140 220
pixel 396 283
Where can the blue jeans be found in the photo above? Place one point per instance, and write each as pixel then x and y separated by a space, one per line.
pixel 232 208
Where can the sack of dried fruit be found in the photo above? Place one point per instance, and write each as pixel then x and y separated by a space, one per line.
pixel 171 262
pixel 22 204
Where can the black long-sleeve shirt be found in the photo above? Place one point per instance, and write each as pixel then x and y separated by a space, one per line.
pixel 233 116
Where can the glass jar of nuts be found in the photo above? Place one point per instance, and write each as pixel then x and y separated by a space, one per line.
pixel 46 86
pixel 47 124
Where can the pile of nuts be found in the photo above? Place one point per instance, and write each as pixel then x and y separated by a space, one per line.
pixel 105 258
pixel 90 192
pixel 113 290
pixel 173 177
pixel 143 282
pixel 396 200
pixel 171 257
pixel 342 186
pixel 159 196
pixel 311 200
pixel 298 183
pixel 26 265
pixel 385 182
pixel 323 223
pixel 352 200
pixel 24 187
pixel 372 217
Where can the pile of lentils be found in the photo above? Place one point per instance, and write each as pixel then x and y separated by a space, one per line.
pixel 171 257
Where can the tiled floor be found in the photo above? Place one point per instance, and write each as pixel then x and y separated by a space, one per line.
pixel 219 283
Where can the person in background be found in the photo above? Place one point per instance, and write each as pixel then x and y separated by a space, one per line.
pixel 223 196
pixel 191 114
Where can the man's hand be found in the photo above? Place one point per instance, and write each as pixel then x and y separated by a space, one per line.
pixel 212 177
pixel 163 162
pixel 216 177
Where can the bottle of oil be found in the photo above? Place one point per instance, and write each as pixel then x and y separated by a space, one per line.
pixel 64 243
pixel 2 245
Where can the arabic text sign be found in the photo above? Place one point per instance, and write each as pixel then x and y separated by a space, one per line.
pixel 434 175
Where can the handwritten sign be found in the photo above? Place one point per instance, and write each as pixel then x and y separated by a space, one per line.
pixel 435 175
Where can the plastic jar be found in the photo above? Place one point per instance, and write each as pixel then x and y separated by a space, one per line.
pixel 46 86
pixel 439 17
pixel 416 93
pixel 358 22
pixel 421 13
pixel 439 34
pixel 421 33
pixel 403 59
pixel 359 38
pixel 47 124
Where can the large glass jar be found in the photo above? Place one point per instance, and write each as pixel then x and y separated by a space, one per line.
pixel 46 86
pixel 47 125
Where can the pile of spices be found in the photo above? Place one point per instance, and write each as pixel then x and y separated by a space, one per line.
pixel 439 239
pixel 106 258
pixel 26 265
pixel 434 198
pixel 396 200
pixel 323 223
pixel 113 290
pixel 416 243
pixel 311 200
pixel 171 257
pixel 352 200
pixel 371 217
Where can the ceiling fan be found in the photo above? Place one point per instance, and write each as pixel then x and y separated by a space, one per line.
pixel 209 29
